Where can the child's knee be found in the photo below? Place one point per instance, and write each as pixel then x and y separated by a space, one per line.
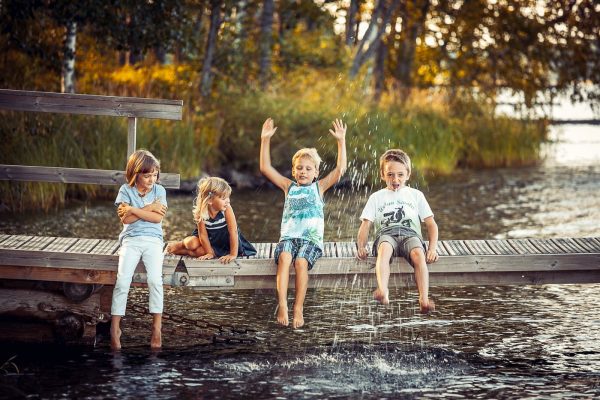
pixel 417 255
pixel 301 264
pixel 191 242
pixel 385 249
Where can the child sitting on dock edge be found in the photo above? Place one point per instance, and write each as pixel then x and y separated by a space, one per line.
pixel 302 223
pixel 216 233
pixel 397 212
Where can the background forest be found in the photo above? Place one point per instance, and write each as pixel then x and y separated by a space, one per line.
pixel 424 75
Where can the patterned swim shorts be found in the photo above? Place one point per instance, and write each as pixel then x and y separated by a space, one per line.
pixel 299 248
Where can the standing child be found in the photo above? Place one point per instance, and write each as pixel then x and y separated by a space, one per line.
pixel 216 233
pixel 397 212
pixel 142 204
pixel 302 224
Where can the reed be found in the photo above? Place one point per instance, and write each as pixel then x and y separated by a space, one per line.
pixel 224 133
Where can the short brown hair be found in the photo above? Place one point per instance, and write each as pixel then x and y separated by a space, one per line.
pixel 394 155
pixel 140 162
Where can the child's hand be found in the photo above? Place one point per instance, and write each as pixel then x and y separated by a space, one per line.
pixel 227 259
pixel 207 256
pixel 432 256
pixel 362 252
pixel 156 207
pixel 268 129
pixel 339 130
pixel 124 210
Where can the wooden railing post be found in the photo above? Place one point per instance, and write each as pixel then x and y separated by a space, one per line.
pixel 131 131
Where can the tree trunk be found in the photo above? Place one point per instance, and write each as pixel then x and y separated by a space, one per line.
pixel 266 32
pixel 351 25
pixel 406 54
pixel 379 72
pixel 367 47
pixel 68 68
pixel 211 44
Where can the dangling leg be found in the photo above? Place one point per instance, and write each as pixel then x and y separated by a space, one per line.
pixel 129 256
pixel 382 269
pixel 283 277
pixel 301 266
pixel 417 256
pixel 153 261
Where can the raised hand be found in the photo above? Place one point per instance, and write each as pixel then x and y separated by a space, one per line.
pixel 268 129
pixel 339 129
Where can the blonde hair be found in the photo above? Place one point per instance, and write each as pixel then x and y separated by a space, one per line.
pixel 140 162
pixel 310 153
pixel 207 189
pixel 394 155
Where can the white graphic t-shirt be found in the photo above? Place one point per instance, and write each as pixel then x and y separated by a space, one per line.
pixel 397 212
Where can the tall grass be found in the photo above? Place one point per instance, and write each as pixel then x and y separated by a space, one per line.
pixel 439 135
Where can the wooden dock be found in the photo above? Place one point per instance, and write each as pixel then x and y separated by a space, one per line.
pixel 462 262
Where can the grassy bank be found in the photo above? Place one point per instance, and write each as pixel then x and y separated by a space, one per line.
pixel 440 135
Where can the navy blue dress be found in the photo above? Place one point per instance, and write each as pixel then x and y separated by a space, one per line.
pixel 218 236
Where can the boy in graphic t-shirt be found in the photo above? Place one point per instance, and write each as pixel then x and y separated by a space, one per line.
pixel 397 212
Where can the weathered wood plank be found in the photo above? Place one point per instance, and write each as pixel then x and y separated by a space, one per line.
pixel 456 248
pixel 546 246
pixel 586 243
pixel 37 243
pixel 61 244
pixel 479 247
pixel 90 104
pixel 329 249
pixel 16 241
pixel 523 246
pixel 106 247
pixel 501 247
pixel 441 249
pixel 59 274
pixel 568 245
pixel 75 175
pixel 84 245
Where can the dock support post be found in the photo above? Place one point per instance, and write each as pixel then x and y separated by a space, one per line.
pixel 131 132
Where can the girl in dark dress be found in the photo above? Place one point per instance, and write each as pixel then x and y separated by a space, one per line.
pixel 216 234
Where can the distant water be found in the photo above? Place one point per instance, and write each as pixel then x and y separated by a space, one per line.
pixel 482 342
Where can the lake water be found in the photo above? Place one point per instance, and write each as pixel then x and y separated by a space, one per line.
pixel 482 342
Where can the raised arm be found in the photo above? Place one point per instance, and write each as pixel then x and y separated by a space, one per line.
pixel 339 133
pixel 432 233
pixel 268 130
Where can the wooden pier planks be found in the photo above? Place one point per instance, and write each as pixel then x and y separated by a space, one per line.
pixel 462 262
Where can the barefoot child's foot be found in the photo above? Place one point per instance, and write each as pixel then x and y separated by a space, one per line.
pixel 426 306
pixel 298 317
pixel 381 297
pixel 156 339
pixel 282 315
pixel 115 339
pixel 172 247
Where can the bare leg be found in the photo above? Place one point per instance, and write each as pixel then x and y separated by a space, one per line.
pixel 190 246
pixel 115 332
pixel 176 248
pixel 283 278
pixel 301 266
pixel 382 269
pixel 417 256
pixel 156 339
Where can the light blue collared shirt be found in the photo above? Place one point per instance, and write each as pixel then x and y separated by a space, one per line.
pixel 130 195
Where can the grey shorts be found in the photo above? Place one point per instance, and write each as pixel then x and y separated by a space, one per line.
pixel 299 248
pixel 402 245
